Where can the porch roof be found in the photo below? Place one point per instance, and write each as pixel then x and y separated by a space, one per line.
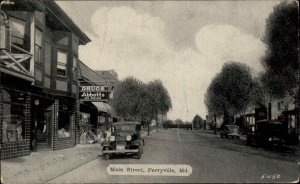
pixel 103 107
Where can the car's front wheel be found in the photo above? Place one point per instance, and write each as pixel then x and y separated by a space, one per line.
pixel 140 152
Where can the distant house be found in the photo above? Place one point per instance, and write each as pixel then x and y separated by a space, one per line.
pixel 111 79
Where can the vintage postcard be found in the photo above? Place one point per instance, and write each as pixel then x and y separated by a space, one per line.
pixel 185 91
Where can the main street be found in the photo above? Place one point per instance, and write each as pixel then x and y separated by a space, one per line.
pixel 212 159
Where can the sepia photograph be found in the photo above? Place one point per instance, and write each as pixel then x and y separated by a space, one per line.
pixel 149 91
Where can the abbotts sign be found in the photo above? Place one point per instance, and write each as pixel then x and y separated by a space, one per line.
pixel 93 93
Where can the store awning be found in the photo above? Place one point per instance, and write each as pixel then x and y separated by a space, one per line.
pixel 103 107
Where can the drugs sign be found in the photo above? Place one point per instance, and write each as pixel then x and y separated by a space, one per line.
pixel 93 93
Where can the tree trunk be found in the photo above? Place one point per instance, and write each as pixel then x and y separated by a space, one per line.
pixel 156 124
pixel 215 131
pixel 148 124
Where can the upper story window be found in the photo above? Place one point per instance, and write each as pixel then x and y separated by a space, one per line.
pixel 17 27
pixel 62 58
pixel 38 45
pixel 74 67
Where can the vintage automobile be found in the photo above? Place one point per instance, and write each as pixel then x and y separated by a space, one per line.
pixel 267 133
pixel 230 131
pixel 125 139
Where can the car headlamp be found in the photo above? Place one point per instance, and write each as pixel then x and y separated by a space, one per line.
pixel 128 137
pixel 270 139
pixel 112 138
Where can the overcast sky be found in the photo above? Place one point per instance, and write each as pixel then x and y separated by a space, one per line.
pixel 183 43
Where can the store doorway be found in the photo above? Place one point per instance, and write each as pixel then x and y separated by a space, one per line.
pixel 41 123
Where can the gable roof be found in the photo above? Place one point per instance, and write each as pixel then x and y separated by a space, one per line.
pixel 58 12
pixel 89 75
pixel 107 75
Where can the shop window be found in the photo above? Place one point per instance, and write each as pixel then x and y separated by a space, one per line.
pixel 13 120
pixel 84 122
pixel 64 121
pixel 38 45
pixel 17 27
pixel 62 63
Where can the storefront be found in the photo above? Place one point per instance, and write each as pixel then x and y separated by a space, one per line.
pixel 39 106
pixel 15 123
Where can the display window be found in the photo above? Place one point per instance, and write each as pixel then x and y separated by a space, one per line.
pixel 64 121
pixel 84 122
pixel 13 120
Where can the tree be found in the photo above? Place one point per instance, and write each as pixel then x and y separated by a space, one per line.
pixel 178 122
pixel 281 60
pixel 161 98
pixel 126 98
pixel 135 100
pixel 197 122
pixel 229 92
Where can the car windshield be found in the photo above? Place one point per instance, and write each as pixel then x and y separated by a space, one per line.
pixel 125 128
pixel 233 129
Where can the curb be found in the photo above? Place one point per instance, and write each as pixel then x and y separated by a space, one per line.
pixel 73 168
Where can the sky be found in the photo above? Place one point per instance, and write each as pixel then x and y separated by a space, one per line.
pixel 182 43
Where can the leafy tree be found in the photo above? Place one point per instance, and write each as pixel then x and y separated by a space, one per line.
pixel 281 60
pixel 167 123
pixel 138 101
pixel 161 99
pixel 229 92
pixel 178 122
pixel 198 122
pixel 127 97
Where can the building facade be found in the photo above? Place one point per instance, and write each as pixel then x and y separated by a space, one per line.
pixel 96 91
pixel 39 106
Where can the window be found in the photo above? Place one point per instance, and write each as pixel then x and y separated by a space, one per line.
pixel 13 121
pixel 84 122
pixel 64 119
pixel 17 27
pixel 74 67
pixel 61 63
pixel 38 45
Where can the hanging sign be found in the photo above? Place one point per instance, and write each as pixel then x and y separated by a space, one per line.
pixel 93 93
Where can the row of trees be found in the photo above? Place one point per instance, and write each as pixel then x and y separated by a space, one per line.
pixel 234 89
pixel 135 100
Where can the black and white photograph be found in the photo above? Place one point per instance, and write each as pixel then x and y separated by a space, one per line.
pixel 149 91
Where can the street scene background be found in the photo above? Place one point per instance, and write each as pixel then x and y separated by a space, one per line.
pixel 212 86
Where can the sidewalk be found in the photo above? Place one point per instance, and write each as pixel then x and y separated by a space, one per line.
pixel 42 166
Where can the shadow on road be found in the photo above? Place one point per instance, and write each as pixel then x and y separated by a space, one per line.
pixel 238 145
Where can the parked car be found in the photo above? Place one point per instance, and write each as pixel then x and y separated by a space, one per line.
pixel 267 133
pixel 230 131
pixel 125 139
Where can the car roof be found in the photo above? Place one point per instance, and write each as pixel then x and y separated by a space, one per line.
pixel 128 123
pixel 231 125
pixel 270 121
